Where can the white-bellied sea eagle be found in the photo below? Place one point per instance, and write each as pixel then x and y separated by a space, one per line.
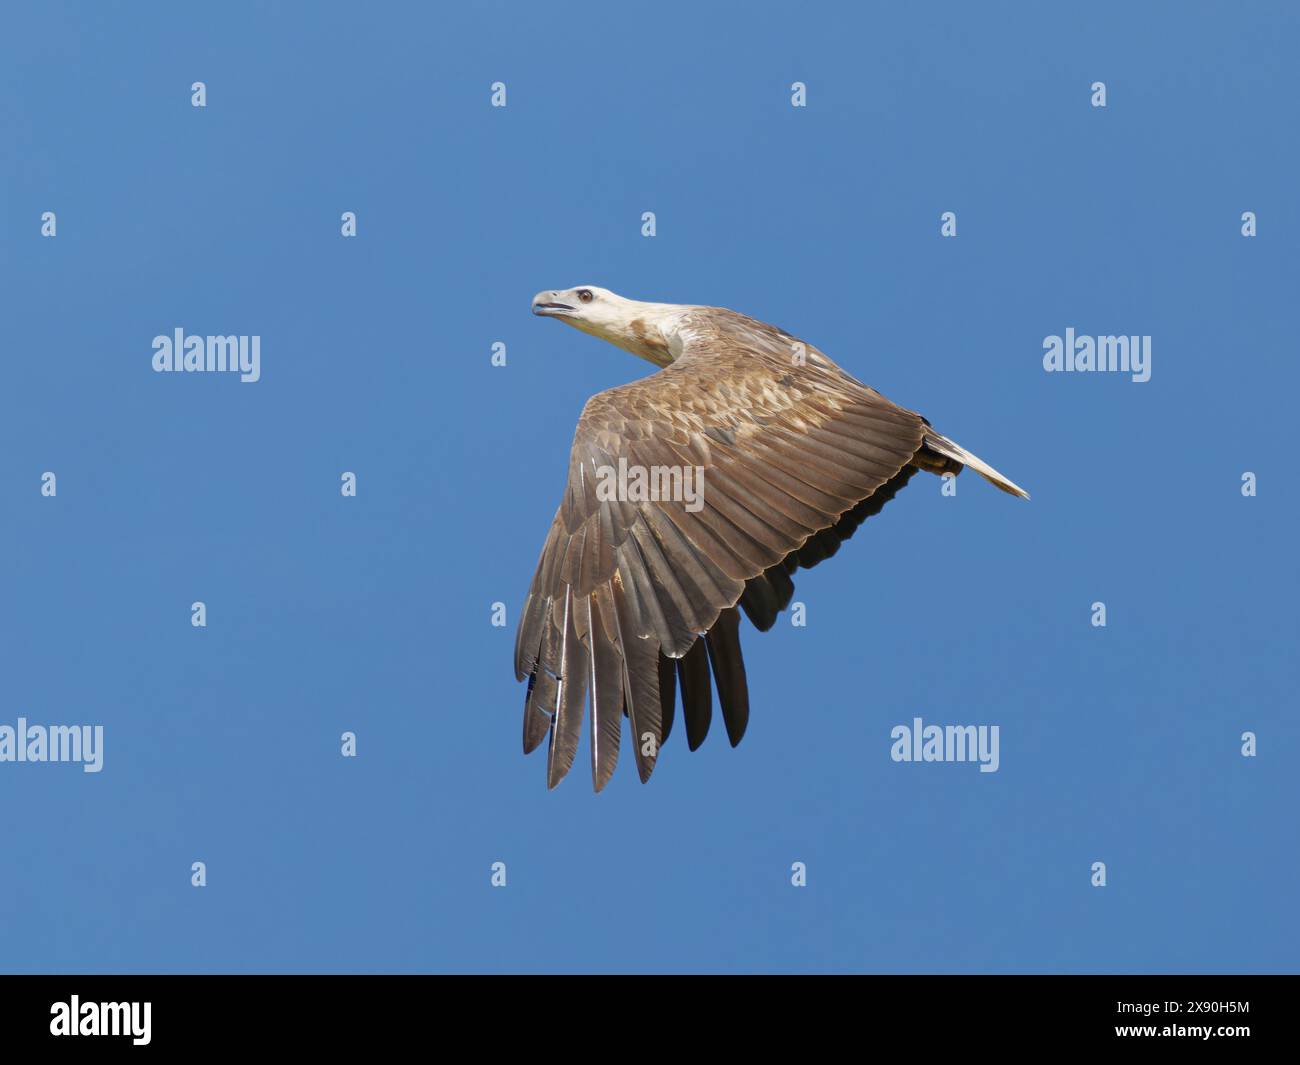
pixel 693 494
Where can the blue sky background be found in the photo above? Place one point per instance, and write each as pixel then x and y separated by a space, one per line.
pixel 372 614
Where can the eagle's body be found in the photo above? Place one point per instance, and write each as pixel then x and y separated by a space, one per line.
pixel 635 595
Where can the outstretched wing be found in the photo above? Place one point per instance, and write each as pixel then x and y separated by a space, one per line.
pixel 794 455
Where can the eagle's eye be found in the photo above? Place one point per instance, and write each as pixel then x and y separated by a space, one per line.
pixel 584 294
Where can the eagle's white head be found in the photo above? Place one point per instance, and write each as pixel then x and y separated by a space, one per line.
pixel 644 329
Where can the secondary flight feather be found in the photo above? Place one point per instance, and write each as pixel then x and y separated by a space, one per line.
pixel 693 495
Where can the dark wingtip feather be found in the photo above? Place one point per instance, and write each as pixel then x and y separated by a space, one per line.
pixel 723 643
pixel 536 726
pixel 697 693
pixel 607 699
pixel 667 692
pixel 760 603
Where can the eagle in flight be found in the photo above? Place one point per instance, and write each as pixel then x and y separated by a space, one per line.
pixel 638 593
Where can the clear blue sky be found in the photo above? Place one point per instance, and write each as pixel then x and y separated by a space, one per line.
pixel 1118 744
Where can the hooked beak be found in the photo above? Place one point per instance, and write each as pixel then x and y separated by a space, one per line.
pixel 546 306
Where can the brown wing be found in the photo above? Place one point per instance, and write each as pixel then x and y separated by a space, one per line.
pixel 795 455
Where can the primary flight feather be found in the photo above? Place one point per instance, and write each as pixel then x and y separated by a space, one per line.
pixel 636 595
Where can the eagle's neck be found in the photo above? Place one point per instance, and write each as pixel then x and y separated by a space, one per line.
pixel 649 330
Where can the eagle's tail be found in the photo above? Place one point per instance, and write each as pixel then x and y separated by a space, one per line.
pixel 939 443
